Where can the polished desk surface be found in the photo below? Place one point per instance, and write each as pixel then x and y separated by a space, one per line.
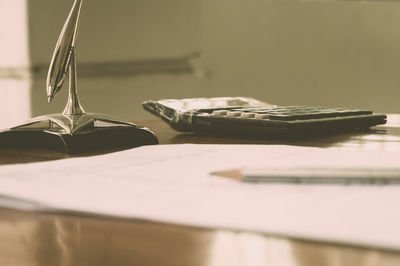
pixel 48 239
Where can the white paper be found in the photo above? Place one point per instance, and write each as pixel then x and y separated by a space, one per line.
pixel 171 183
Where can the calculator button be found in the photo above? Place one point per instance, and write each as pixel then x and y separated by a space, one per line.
pixel 220 112
pixel 262 116
pixel 248 115
pixel 234 114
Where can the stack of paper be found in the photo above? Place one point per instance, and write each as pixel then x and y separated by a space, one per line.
pixel 172 183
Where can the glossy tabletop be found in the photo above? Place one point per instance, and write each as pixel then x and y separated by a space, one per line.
pixel 47 239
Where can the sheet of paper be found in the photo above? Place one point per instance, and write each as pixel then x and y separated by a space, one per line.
pixel 172 184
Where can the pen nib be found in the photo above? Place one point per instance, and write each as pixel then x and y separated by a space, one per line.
pixel 49 98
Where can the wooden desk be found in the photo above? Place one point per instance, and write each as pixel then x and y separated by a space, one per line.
pixel 44 239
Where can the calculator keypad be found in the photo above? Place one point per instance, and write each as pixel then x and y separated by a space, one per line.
pixel 288 113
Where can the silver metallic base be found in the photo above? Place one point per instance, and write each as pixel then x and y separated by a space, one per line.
pixel 83 133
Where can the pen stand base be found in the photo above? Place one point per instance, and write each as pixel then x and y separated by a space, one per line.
pixel 86 133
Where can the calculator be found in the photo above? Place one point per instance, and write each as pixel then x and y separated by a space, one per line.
pixel 248 117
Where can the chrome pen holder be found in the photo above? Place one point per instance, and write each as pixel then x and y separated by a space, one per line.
pixel 73 130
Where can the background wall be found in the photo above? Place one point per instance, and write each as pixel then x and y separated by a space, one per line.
pixel 14 63
pixel 316 52
pixel 342 53
pixel 117 30
pixel 14 34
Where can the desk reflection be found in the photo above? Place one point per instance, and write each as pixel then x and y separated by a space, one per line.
pixel 67 240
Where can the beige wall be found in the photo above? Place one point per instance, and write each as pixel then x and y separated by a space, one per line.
pixel 117 30
pixel 14 45
pixel 290 52
pixel 282 51
pixel 14 63
pixel 13 34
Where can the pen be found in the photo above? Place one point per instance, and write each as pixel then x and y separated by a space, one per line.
pixel 64 52
pixel 317 175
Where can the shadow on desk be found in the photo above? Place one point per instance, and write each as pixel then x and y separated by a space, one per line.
pixel 316 141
